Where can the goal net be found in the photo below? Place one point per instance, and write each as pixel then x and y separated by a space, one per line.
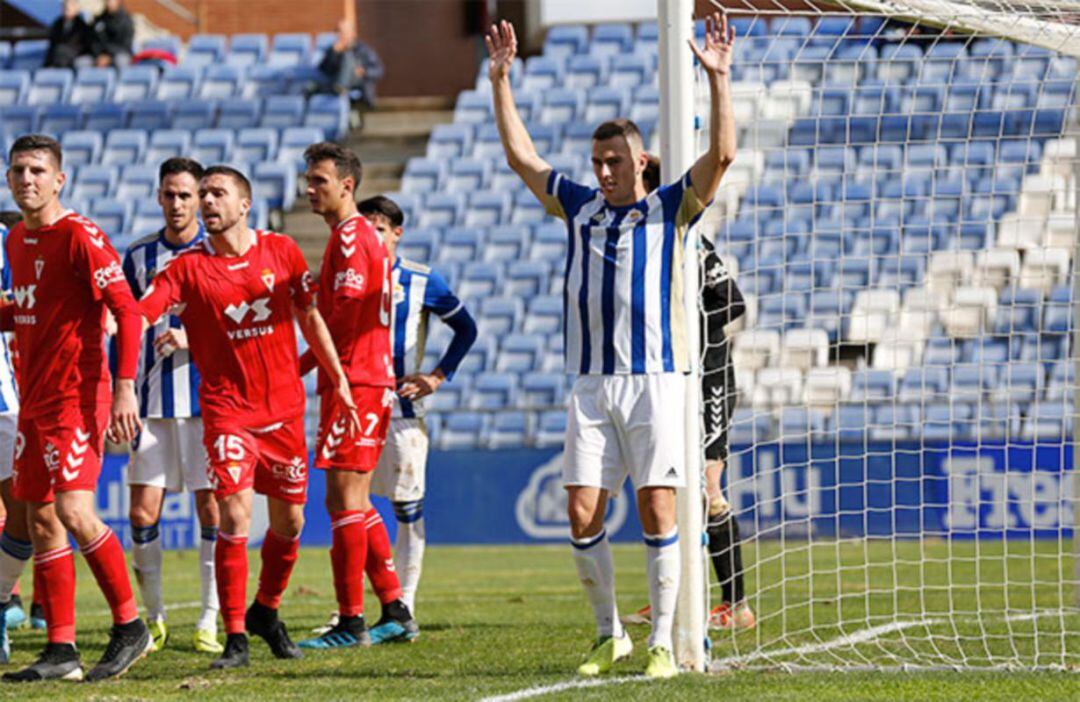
pixel 902 221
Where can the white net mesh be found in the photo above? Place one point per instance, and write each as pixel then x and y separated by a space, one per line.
pixel 902 218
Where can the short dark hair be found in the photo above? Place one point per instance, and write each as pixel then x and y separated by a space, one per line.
pixel 618 127
pixel 9 218
pixel 345 160
pixel 239 178
pixel 180 164
pixel 381 205
pixel 37 142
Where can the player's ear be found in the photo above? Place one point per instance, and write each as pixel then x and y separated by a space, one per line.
pixel 61 178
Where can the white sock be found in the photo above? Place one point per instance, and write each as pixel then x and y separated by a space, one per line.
pixel 209 593
pixel 596 570
pixel 662 565
pixel 146 558
pixel 14 555
pixel 409 549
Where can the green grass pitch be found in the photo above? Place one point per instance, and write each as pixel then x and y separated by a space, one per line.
pixel 500 620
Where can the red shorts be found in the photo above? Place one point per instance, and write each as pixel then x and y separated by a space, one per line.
pixel 59 452
pixel 271 459
pixel 359 453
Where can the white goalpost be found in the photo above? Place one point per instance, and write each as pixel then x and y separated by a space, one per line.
pixel 902 220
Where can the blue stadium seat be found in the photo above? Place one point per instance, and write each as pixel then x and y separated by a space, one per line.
pixel 566 40
pixel 1021 382
pixel 275 183
pixel 81 147
pixel 899 62
pixel 111 215
pixel 449 141
pixel 526 279
pixel 205 50
pixel 852 421
pixel 611 39
pixel 541 73
pixel 493 391
pixel 461 244
pixel 520 353
pixel 506 243
pixel 178 83
pixel 167 143
pixel 94 181
pixel 192 115
pixel 1018 311
pixel 605 103
pixel 463 430
pixel 212 145
pixel 480 279
pixel 1062 380
pixel 124 146
pixel 628 71
pixel 282 111
pixel 923 383
pixel 545 315
pixel 247 49
pixel 971 381
pixel 57 119
pixel 527 209
pixel 167 43
pixel 801 423
pixel 13 86
pixel 149 115
pixel 894 422
pixel 451 396
pixel 542 390
pixel 551 429
pixel 499 316
pixel 487 208
pixel 49 86
pixel 135 83
pixel 442 209
pixel 792 26
pixel 5 53
pixel 873 386
pixel 1057 313
pixel 255 145
pixel 329 113
pixel 238 114
pixel 287 50
pixel 1048 421
pixel 92 85
pixel 28 54
pixel 561 106
pixel 20 119
pixel 645 104
pixel 467 175
pixel 473 107
pixel 137 183
pixel 549 242
pixel 293 142
pixel 221 81
pixel 423 175
pixel 509 430
pixel 584 72
pixel 418 244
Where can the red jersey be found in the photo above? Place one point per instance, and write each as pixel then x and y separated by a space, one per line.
pixel 63 276
pixel 238 314
pixel 355 300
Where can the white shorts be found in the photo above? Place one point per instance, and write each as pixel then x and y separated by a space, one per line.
pixel 626 425
pixel 9 429
pixel 400 473
pixel 169 454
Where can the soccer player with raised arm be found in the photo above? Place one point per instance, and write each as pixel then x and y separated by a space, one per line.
pixel 237 294
pixel 625 336
pixel 168 454
pixel 419 293
pixel 355 298
pixel 64 276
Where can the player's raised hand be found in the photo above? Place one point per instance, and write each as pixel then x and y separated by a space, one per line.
pixel 502 49
pixel 719 45
pixel 124 418
pixel 170 341
pixel 419 385
pixel 344 396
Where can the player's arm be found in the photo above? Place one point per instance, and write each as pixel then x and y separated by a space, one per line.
pixel 520 150
pixel 715 58
pixel 439 299
pixel 321 346
pixel 7 316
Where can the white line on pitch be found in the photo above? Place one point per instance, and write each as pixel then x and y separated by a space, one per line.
pixel 540 690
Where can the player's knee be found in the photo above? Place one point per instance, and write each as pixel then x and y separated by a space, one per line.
pixel 77 520
pixel 45 528
pixel 143 516
pixel 290 526
pixel 207 513
pixel 585 519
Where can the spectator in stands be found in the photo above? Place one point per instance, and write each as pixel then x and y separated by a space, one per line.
pixel 114 35
pixel 351 67
pixel 69 37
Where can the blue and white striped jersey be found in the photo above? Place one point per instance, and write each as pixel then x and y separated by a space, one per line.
pixel 418 292
pixel 168 386
pixel 623 297
pixel 9 395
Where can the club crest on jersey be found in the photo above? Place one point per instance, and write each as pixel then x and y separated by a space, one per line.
pixel 268 279
pixel 51 456
pixel 234 470
pixel 633 215
pixel 39 266
pixel 399 293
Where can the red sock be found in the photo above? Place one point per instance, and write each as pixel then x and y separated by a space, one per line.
pixel 379 565
pixel 54 578
pixel 105 556
pixel 231 564
pixel 349 549
pixel 279 555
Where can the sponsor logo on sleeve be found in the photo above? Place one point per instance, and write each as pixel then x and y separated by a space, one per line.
pixel 349 279
pixel 106 276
